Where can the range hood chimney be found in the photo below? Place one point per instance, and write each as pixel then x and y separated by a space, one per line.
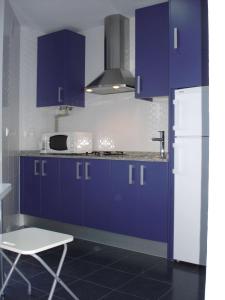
pixel 116 78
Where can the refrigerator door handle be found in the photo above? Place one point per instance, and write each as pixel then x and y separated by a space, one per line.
pixel 177 115
pixel 177 170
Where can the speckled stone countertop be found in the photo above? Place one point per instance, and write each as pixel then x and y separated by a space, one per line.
pixel 137 156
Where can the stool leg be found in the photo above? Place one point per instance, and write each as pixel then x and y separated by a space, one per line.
pixel 10 274
pixel 56 276
pixel 58 271
pixel 18 271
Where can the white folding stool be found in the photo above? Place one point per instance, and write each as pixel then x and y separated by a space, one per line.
pixel 30 241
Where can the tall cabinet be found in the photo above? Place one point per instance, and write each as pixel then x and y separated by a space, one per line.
pixel 188 68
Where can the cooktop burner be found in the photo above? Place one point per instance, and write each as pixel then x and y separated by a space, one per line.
pixel 105 153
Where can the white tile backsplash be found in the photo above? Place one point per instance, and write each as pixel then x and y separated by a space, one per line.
pixel 121 121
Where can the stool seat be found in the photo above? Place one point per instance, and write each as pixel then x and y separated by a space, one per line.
pixel 28 241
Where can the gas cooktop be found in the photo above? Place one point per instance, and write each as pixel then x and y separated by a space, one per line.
pixel 109 153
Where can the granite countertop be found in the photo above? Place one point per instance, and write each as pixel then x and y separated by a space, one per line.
pixel 137 156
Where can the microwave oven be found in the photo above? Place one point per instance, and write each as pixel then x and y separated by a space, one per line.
pixel 67 142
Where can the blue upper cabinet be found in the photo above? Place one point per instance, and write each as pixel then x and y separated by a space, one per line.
pixel 152 51
pixel 188 43
pixel 61 69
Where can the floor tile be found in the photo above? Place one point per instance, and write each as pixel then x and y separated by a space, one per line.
pixel 146 288
pixel 102 272
pixel 44 281
pixel 163 271
pixel 84 290
pixel 29 270
pixel 188 283
pixel 120 296
pixel 79 249
pixel 54 298
pixel 137 263
pixel 79 268
pixel 18 291
pixel 52 259
pixel 87 246
pixel 110 278
pixel 107 255
pixel 184 294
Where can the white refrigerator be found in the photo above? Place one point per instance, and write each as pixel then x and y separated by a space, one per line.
pixel 191 149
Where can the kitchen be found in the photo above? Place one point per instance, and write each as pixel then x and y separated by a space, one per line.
pixel 127 122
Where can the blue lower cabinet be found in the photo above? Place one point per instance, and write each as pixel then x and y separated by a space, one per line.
pixel 30 182
pixel 124 197
pixel 139 199
pixel 50 189
pixel 152 207
pixel 71 181
pixel 97 184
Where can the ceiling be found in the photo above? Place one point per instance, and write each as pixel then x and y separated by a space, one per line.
pixel 50 15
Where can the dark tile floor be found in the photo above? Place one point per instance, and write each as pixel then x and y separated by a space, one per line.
pixel 95 272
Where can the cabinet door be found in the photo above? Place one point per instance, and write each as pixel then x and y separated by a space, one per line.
pixel 152 51
pixel 50 189
pixel 124 197
pixel 151 211
pixel 61 69
pixel 71 180
pixel 30 186
pixel 188 43
pixel 74 66
pixel 97 182
pixel 50 69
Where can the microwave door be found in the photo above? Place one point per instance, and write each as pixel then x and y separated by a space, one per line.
pixel 58 142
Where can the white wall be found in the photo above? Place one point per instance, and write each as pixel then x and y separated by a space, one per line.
pixel 33 121
pixel 128 122
pixel 10 115
pixel 216 221
pixel 2 5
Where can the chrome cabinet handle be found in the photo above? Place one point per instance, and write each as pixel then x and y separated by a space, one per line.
pixel 175 38
pixel 43 163
pixel 60 94
pixel 138 84
pixel 78 176
pixel 142 174
pixel 87 177
pixel 130 176
pixel 36 163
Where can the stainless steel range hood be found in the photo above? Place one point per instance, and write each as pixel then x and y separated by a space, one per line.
pixel 116 78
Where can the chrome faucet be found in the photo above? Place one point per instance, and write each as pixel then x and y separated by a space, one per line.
pixel 161 139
